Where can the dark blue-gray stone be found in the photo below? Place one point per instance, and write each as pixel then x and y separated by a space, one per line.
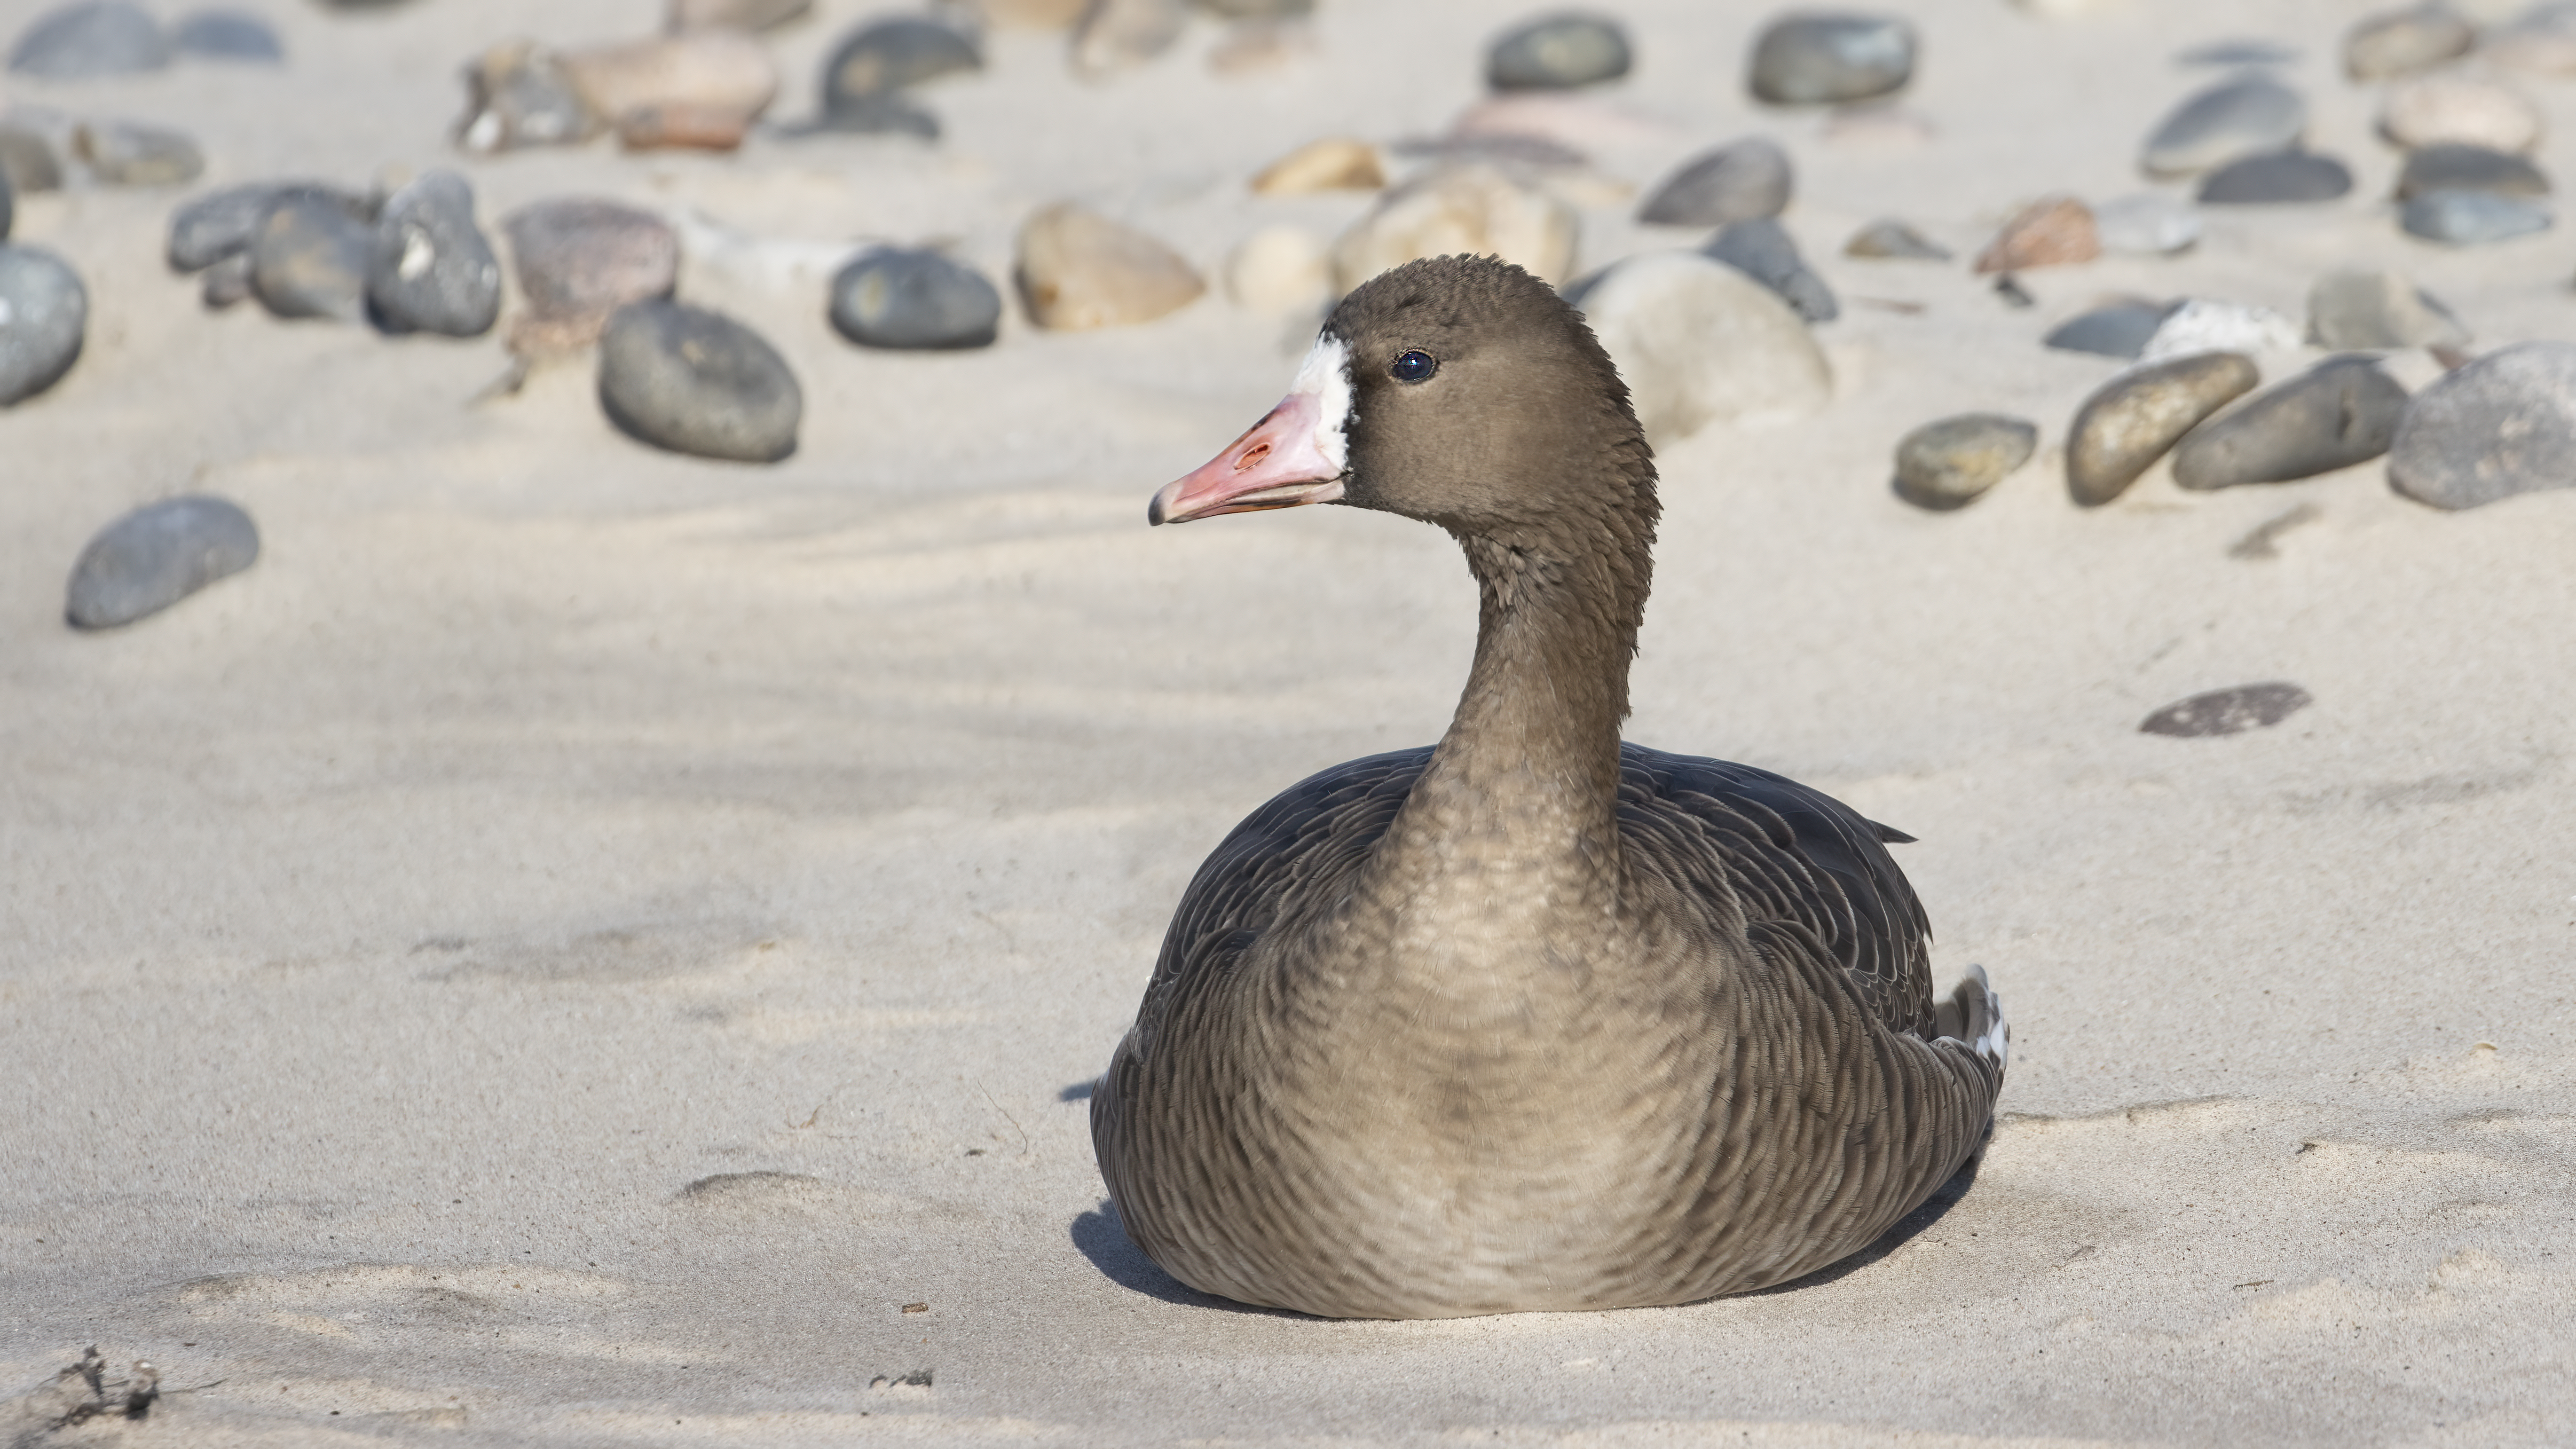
pixel 2244 117
pixel 93 38
pixel 914 300
pixel 695 381
pixel 1953 462
pixel 1558 52
pixel 1889 238
pixel 1736 182
pixel 889 55
pixel 2229 711
pixel 1810 58
pixel 129 153
pixel 309 259
pixel 156 556
pixel 2119 330
pixel 227 35
pixel 2501 425
pixel 44 314
pixel 1762 249
pixel 432 270
pixel 2282 177
pixel 2341 412
pixel 218 224
pixel 2452 166
pixel 2468 218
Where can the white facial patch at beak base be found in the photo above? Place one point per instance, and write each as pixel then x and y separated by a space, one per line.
pixel 1326 373
pixel 1294 456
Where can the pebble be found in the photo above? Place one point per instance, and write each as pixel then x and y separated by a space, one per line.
pixel 1117 35
pixel 2430 110
pixel 220 224
pixel 1738 181
pixel 227 282
pixel 1474 207
pixel 2453 167
pixel 2147 224
pixel 734 14
pixel 156 556
pixel 2236 52
pixel 702 88
pixel 2201 324
pixel 2380 310
pixel 309 259
pixel 44 314
pixel 1818 58
pixel 128 153
pixel 889 55
pixel 2120 330
pixel 1700 342
pixel 1336 163
pixel 899 298
pixel 1763 250
pixel 2243 117
pixel 1558 52
pixel 2471 218
pixel 92 38
pixel 518 95
pixel 2053 231
pixel 2504 424
pixel 227 35
pixel 2341 412
pixel 887 115
pixel 578 261
pixel 1951 463
pixel 1078 269
pixel 2542 42
pixel 1889 238
pixel 27 157
pixel 2281 178
pixel 2123 428
pixel 697 382
pixel 1279 271
pixel 2403 42
pixel 2228 711
pixel 432 269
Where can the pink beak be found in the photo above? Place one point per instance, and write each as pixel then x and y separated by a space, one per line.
pixel 1275 464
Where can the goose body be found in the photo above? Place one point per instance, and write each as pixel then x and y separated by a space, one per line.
pixel 1530 1019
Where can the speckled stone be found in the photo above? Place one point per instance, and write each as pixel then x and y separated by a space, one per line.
pixel 2051 232
pixel 1951 463
pixel 128 153
pixel 44 315
pixel 2120 330
pixel 2282 178
pixel 697 382
pixel 1738 181
pixel 2244 117
pixel 2403 42
pixel 2454 167
pixel 1809 58
pixel 1763 250
pixel 2472 218
pixel 2504 424
pixel 2135 418
pixel 1891 239
pixel 917 300
pixel 578 260
pixel 431 268
pixel 93 38
pixel 2228 711
pixel 1558 52
pixel 156 556
pixel 2379 310
pixel 309 259
pixel 227 35
pixel 221 223
pixel 2341 412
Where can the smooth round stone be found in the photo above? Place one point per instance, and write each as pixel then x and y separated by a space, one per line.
pixel 1078 269
pixel 2203 324
pixel 2123 428
pixel 697 382
pixel 2228 711
pixel 2244 117
pixel 1763 250
pixel 156 556
pixel 2403 42
pixel 2502 425
pixel 2283 178
pixel 1699 342
pixel 734 14
pixel 2379 310
pixel 578 260
pixel 94 38
pixel 919 300
pixel 44 314
pixel 1951 463
pixel 128 153
pixel 1736 182
pixel 2146 224
pixel 1475 207
pixel 1558 52
pixel 1891 239
pixel 309 259
pixel 2051 232
pixel 1279 271
pixel 1335 163
pixel 518 94
pixel 221 223
pixel 1118 35
pixel 2341 412
pixel 2434 109
pixel 227 35
pixel 2471 218
pixel 226 283
pixel 28 159
pixel 2453 167
pixel 1812 58
pixel 2120 330
pixel 432 270
pixel 889 55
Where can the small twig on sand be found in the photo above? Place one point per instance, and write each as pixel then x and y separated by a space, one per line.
pixel 1007 1117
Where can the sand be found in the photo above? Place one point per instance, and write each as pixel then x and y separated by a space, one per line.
pixel 572 943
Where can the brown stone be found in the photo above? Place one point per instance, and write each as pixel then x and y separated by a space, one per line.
pixel 2137 417
pixel 2057 231
pixel 702 71
pixel 680 126
pixel 1335 163
pixel 578 261
pixel 1078 269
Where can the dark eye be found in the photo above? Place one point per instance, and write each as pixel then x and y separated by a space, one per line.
pixel 1414 367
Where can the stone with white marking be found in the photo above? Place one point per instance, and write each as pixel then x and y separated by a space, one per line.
pixel 432 269
pixel 2228 711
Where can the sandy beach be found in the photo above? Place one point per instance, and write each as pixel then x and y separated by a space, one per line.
pixel 582 945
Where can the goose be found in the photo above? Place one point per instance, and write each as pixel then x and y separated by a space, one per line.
pixel 1529 1019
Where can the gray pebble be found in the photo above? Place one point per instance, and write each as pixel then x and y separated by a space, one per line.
pixel 221 223
pixel 2403 42
pixel 309 259
pixel 1823 58
pixel 2378 310
pixel 2119 330
pixel 226 283
pixel 2279 178
pixel 1558 52
pixel 2237 52
pixel 432 270
pixel 2229 711
pixel 578 260
pixel 1762 249
pixel 2502 425
pixel 227 35
pixel 28 158
pixel 695 381
pixel 914 300
pixel 1951 463
pixel 2341 412
pixel 2122 429
pixel 2470 218
pixel 1736 182
pixel 156 556
pixel 887 115
pixel 1890 238
pixel 2451 166
pixel 2149 224
pixel 886 56
pixel 44 314
pixel 128 153
pixel 2243 117
pixel 93 38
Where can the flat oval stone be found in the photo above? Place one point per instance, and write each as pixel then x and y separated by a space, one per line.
pixel 2341 412
pixel 1738 181
pixel 227 35
pixel 2120 330
pixel 2403 42
pixel 1811 58
pixel 2502 425
pixel 432 270
pixel 2471 218
pixel 1951 463
pixel 920 300
pixel 2454 167
pixel 156 556
pixel 44 314
pixel 2244 117
pixel 1896 240
pixel 1699 342
pixel 1763 250
pixel 2148 224
pixel 716 79
pixel 221 223
pixel 2378 310
pixel 93 38
pixel 2208 324
pixel 2282 178
pixel 2132 420
pixel 1472 207
pixel 889 55
pixel 310 258
pixel 578 260
pixel 129 153
pixel 2053 231
pixel 2433 109
pixel 1558 52
pixel 2229 711
pixel 1335 163
pixel 697 382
